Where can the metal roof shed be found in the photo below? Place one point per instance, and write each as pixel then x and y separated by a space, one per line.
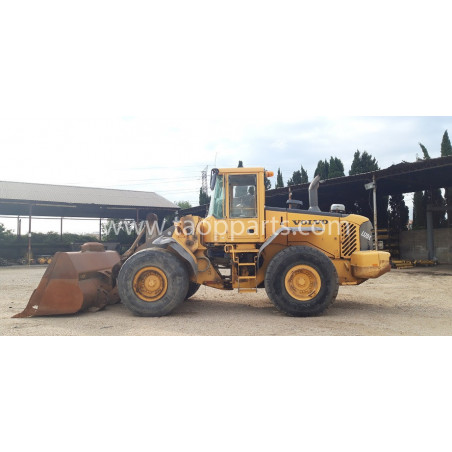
pixel 17 198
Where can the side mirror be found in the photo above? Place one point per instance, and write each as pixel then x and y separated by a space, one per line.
pixel 213 177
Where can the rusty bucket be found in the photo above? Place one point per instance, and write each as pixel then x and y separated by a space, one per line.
pixel 75 281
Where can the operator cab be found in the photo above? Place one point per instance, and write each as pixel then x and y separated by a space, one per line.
pixel 242 199
pixel 236 205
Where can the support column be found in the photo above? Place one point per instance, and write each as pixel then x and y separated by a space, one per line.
pixel 61 229
pixel 18 226
pixel 430 242
pixel 375 212
pixel 100 229
pixel 29 235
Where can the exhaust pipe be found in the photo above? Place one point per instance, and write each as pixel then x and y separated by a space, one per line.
pixel 313 195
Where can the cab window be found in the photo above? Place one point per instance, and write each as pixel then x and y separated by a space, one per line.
pixel 216 207
pixel 242 196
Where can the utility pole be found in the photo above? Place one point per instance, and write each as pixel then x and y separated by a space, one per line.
pixel 204 180
pixel 373 186
pixel 375 212
pixel 29 234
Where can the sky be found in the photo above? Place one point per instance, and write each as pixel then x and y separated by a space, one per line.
pixel 145 97
pixel 167 156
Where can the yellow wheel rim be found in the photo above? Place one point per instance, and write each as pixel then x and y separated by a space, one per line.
pixel 302 282
pixel 150 284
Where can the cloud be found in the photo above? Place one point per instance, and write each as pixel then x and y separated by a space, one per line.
pixel 289 145
pixel 167 156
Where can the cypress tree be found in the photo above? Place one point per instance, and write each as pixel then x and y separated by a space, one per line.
pixel 204 198
pixel 295 179
pixel 398 215
pixel 298 177
pixel 304 176
pixel 419 211
pixel 279 180
pixel 446 147
pixel 425 152
pixel 335 168
pixel 434 197
pixel 363 163
pixel 322 169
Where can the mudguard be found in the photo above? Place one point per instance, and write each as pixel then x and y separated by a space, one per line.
pixel 169 242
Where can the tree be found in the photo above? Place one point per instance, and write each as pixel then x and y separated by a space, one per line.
pixel 183 204
pixel 331 169
pixel 398 214
pixel 322 169
pixel 3 231
pixel 6 235
pixel 434 197
pixel 419 210
pixel 240 165
pixel 298 177
pixel 446 150
pixel 304 176
pixel 204 198
pixel 425 152
pixel 279 180
pixel 419 200
pixel 335 168
pixel 267 183
pixel 363 163
pixel 446 147
pixel 295 179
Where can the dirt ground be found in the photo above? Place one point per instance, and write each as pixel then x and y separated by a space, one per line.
pixel 414 301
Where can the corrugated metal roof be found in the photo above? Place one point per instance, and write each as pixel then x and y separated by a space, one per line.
pixel 65 194
pixel 423 174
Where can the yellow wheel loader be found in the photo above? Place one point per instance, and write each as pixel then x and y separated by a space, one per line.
pixel 299 256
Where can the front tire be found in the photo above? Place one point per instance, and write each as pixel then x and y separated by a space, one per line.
pixel 301 281
pixel 192 289
pixel 153 282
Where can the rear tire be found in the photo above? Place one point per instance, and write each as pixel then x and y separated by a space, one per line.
pixel 153 282
pixel 301 281
pixel 192 289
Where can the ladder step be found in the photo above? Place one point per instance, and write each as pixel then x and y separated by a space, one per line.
pixel 250 279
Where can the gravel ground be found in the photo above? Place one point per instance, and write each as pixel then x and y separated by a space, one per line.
pixel 403 302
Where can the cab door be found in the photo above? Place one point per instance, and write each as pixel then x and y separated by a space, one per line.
pixel 243 208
